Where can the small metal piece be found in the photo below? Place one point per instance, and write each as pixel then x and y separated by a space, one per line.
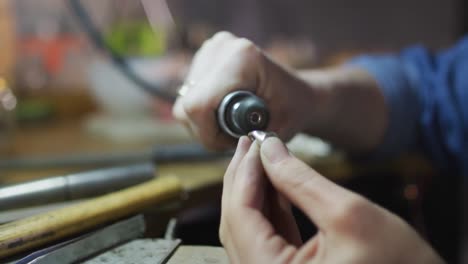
pixel 260 136
pixel 241 112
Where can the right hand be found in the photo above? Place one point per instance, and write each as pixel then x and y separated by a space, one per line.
pixel 226 63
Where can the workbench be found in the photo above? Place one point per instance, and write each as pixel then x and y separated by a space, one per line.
pixel 205 178
pixel 65 138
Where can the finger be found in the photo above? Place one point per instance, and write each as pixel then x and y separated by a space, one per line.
pixel 180 115
pixel 207 140
pixel 205 60
pixel 214 140
pixel 197 109
pixel 315 195
pixel 206 56
pixel 236 69
pixel 249 183
pixel 203 116
pixel 242 148
pixel 200 106
pixel 282 218
pixel 224 236
pixel 310 250
pixel 255 239
pixel 178 111
pixel 250 231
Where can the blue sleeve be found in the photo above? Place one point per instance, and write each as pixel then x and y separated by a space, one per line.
pixel 427 97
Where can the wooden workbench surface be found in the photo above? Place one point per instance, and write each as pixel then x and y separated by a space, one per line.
pixel 200 180
pixel 204 177
pixel 62 138
pixel 70 138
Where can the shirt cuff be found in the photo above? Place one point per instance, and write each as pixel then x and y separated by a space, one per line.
pixel 397 80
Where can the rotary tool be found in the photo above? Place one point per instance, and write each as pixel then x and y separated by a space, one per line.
pixel 241 112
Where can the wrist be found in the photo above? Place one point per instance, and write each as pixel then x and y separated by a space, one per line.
pixel 294 100
pixel 312 101
pixel 351 110
pixel 322 100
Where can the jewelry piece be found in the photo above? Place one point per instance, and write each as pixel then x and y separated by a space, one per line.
pixel 260 136
pixel 185 88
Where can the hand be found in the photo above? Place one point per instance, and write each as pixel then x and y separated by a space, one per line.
pixel 257 225
pixel 226 63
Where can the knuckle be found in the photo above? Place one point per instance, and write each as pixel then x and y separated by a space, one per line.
pixel 205 44
pixel 349 215
pixel 351 207
pixel 222 35
pixel 193 107
pixel 177 111
pixel 247 51
pixel 243 42
pixel 246 46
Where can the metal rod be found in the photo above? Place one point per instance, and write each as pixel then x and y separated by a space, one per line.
pixel 158 155
pixel 74 186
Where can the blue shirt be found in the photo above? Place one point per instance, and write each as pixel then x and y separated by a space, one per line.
pixel 427 96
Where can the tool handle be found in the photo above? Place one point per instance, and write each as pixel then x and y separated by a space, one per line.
pixel 241 112
pixel 41 229
pixel 74 186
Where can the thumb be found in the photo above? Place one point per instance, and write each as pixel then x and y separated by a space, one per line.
pixel 315 195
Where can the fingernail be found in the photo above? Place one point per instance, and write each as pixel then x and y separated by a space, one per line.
pixel 274 150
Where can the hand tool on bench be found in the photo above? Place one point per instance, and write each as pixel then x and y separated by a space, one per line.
pixel 74 186
pixel 156 155
pixel 88 245
pixel 41 229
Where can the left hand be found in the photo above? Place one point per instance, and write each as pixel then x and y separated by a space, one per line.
pixel 257 225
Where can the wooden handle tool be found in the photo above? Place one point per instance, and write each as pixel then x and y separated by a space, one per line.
pixel 38 230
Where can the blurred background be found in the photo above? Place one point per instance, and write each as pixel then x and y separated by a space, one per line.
pixel 60 94
pixel 51 65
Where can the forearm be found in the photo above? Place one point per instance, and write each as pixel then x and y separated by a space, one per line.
pixel 355 115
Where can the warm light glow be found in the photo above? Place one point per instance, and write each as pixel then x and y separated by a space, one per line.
pixel 3 85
